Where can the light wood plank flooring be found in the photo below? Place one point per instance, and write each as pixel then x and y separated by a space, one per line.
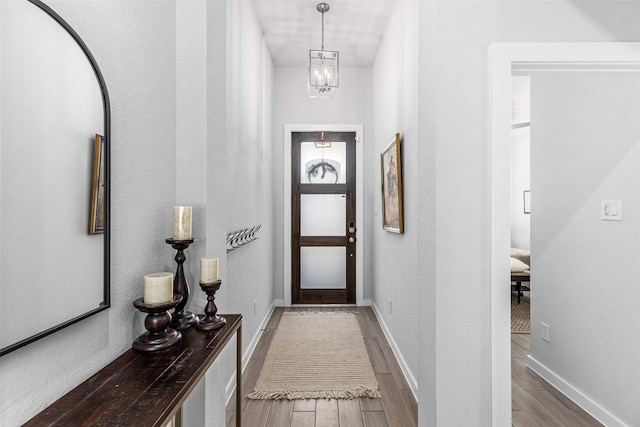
pixel 397 408
pixel 534 401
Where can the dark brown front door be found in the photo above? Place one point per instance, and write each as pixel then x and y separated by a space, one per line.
pixel 323 215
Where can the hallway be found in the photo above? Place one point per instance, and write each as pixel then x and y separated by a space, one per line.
pixel 396 408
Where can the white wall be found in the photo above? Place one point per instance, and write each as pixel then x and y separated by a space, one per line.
pixel 250 150
pixel 292 105
pixel 394 256
pixel 234 161
pixel 520 182
pixel 454 182
pixel 585 148
pixel 249 195
pixel 194 168
pixel 520 162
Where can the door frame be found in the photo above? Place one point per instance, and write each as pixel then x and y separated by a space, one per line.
pixel 358 129
pixel 503 55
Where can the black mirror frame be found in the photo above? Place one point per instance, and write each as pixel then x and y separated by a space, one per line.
pixel 106 303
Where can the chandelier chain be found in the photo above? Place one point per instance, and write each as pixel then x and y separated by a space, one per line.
pixel 322 48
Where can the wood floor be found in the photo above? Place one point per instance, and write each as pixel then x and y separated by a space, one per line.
pixel 534 401
pixel 397 408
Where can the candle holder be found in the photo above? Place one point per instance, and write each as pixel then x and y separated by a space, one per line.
pixel 159 335
pixel 210 320
pixel 181 318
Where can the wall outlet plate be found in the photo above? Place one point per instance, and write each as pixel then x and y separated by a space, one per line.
pixel 544 331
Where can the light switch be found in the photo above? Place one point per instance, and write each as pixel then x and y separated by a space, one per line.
pixel 611 210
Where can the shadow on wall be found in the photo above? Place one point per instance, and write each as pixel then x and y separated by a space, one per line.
pixel 600 13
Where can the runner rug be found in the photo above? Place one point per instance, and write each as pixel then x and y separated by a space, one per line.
pixel 520 315
pixel 316 356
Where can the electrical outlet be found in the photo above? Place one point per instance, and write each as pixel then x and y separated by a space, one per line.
pixel 390 306
pixel 255 307
pixel 544 331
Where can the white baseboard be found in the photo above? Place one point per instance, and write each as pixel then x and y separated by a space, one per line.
pixel 582 400
pixel 246 355
pixel 411 380
pixel 365 302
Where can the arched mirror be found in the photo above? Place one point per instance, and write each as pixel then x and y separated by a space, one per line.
pixel 54 176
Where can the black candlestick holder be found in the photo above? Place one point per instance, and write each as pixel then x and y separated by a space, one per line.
pixel 210 320
pixel 159 335
pixel 181 319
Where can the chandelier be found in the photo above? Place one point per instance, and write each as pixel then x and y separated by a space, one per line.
pixel 323 67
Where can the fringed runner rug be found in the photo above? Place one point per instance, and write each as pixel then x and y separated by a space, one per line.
pixel 316 356
pixel 520 322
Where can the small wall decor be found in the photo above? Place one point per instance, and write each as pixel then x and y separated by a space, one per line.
pixel 96 214
pixel 392 215
pixel 324 171
pixel 235 239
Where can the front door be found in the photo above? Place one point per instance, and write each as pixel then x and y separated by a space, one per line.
pixel 323 215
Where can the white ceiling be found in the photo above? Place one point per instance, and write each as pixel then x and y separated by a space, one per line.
pixel 352 27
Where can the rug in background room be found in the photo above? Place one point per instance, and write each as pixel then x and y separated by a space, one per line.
pixel 520 321
pixel 316 356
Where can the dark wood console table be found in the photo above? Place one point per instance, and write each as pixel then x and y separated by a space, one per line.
pixel 146 389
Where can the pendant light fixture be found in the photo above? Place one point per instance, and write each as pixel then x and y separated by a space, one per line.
pixel 323 67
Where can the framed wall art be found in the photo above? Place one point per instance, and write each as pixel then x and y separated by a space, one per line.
pixel 392 217
pixel 96 214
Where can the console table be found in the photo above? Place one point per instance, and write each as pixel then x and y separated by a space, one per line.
pixel 146 388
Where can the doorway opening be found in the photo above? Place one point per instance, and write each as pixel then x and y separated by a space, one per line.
pixel 310 245
pixel 323 217
pixel 503 56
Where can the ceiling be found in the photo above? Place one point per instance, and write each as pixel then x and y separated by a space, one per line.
pixel 352 27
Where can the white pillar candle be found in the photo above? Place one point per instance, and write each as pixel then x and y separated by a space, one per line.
pixel 208 270
pixel 158 288
pixel 182 222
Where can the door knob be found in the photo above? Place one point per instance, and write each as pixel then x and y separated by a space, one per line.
pixel 352 239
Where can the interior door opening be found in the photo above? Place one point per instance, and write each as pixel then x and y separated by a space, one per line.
pixel 503 56
pixel 323 217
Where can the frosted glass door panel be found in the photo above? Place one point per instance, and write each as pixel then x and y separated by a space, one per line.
pixel 323 214
pixel 323 267
pixel 323 163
